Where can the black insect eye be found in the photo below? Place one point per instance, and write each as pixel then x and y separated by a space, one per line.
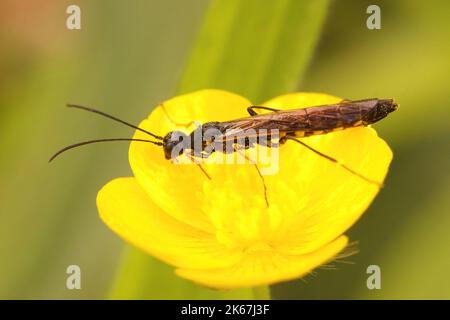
pixel 180 138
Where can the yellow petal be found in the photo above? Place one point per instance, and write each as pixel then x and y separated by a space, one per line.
pixel 219 232
pixel 179 189
pixel 263 268
pixel 320 199
pixel 126 208
pixel 312 201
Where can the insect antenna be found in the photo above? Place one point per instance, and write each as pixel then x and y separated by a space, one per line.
pixel 79 144
pixel 113 118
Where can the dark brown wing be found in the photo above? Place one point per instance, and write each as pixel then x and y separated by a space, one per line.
pixel 281 120
pixel 317 119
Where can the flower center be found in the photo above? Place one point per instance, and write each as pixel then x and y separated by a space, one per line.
pixel 249 228
pixel 242 219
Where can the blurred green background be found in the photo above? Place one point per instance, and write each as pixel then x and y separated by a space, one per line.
pixel 128 57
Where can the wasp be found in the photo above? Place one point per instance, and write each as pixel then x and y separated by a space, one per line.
pixel 291 125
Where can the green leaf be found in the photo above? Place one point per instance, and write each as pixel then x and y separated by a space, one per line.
pixel 255 48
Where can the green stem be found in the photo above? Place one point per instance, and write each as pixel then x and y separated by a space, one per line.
pixel 262 293
pixel 143 277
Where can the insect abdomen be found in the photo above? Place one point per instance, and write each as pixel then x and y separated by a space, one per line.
pixel 325 119
pixel 329 118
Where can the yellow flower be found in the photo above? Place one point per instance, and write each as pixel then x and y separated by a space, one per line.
pixel 219 232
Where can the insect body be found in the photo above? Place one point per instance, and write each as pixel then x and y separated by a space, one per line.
pixel 290 125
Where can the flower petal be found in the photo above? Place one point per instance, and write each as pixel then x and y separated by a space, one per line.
pixel 312 200
pixel 263 268
pixel 178 189
pixel 126 208
pixel 320 199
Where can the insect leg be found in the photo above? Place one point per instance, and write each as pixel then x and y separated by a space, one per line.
pixel 253 112
pixel 380 185
pixel 186 125
pixel 259 173
pixel 198 164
